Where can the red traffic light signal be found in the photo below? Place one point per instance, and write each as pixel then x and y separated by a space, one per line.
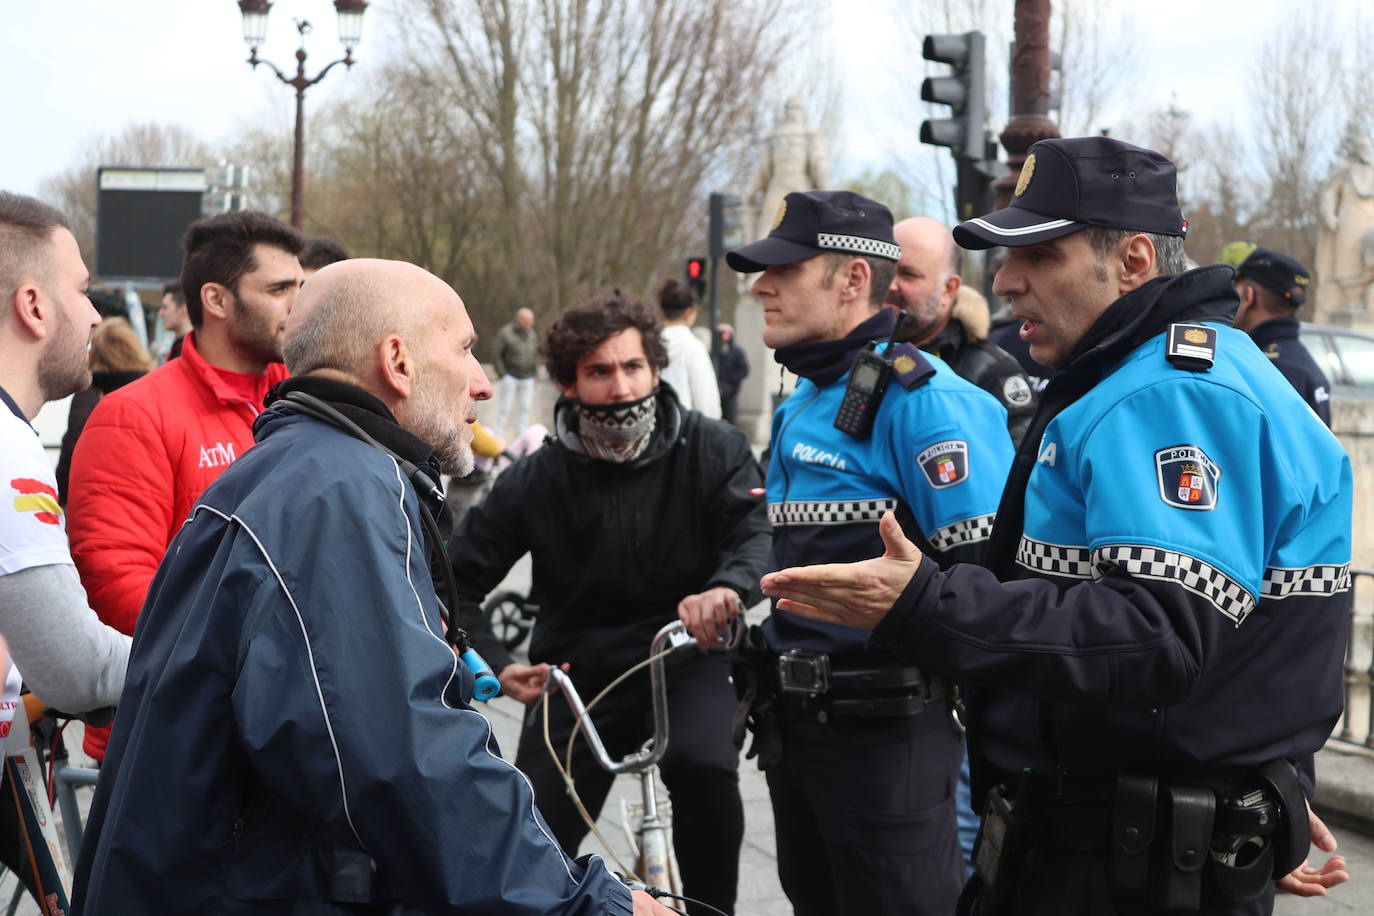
pixel 696 268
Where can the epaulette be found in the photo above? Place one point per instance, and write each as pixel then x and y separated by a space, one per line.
pixel 1192 346
pixel 910 366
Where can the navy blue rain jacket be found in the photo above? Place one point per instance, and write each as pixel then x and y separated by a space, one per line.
pixel 294 736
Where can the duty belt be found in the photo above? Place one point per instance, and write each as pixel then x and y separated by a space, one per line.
pixel 807 681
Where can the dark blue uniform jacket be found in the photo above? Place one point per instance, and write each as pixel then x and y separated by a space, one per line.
pixel 1174 552
pixel 295 737
pixel 1278 338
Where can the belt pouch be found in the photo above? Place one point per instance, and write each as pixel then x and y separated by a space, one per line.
pixel 1293 838
pixel 1189 813
pixel 1000 852
pixel 1133 829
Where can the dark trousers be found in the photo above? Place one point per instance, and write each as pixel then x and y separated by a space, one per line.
pixel 700 768
pixel 1075 884
pixel 865 815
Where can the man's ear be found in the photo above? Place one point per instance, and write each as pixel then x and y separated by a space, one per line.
pixel 396 366
pixel 215 299
pixel 951 290
pixel 30 310
pixel 1138 262
pixel 856 282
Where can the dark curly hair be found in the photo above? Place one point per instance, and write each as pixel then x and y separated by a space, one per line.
pixel 587 325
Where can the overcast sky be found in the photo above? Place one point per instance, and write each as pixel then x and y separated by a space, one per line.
pixel 71 69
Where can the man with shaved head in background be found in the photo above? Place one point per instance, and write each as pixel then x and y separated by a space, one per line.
pixel 292 668
pixel 951 320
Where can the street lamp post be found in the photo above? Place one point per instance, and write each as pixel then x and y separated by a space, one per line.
pixel 255 31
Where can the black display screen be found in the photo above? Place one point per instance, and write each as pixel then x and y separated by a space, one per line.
pixel 865 376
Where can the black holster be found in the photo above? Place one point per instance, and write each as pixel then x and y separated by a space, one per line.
pixel 999 854
pixel 752 667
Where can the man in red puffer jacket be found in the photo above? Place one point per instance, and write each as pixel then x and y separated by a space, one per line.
pixel 151 448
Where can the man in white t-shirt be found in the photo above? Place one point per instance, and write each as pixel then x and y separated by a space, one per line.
pixel 69 658
pixel 689 370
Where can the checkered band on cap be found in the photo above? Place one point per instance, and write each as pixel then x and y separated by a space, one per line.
pixel 839 512
pixel 858 245
pixel 1201 578
pixel 1055 559
pixel 968 531
pixel 1280 582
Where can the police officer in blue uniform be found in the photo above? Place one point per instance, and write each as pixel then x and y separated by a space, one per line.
pixel 1156 647
pixel 1272 287
pixel 864 752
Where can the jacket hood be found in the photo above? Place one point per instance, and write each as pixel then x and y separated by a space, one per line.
pixel 668 427
pixel 971 310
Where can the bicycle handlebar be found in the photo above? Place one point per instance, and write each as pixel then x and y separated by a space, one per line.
pixel 653 749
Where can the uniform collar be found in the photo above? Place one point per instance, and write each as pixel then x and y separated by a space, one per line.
pixel 1267 332
pixel 825 362
pixel 949 342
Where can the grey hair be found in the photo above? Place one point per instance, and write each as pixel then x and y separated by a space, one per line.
pixel 1170 258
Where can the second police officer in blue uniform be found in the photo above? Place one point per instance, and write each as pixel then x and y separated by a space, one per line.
pixel 1157 649
pixel 866 754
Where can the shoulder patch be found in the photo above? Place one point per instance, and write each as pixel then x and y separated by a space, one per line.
pixel 1187 477
pixel 910 366
pixel 945 463
pixel 1015 391
pixel 1192 346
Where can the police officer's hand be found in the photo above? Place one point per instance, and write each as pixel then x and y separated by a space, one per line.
pixel 708 614
pixel 854 594
pixel 1306 881
pixel 525 682
pixel 648 906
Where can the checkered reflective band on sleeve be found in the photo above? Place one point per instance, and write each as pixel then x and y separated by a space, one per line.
pixel 1202 579
pixel 1311 580
pixel 969 531
pixel 839 512
pixel 858 245
pixel 1055 559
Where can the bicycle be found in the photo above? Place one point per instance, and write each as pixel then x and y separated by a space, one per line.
pixel 511 616
pixel 655 865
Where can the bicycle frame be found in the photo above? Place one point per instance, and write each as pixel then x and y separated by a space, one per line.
pixel 654 850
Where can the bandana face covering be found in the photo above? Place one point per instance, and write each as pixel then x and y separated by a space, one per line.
pixel 617 432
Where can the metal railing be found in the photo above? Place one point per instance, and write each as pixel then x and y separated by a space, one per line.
pixel 1357 722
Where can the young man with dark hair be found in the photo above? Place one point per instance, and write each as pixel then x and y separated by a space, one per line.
pixel 321 252
pixel 175 319
pixel 689 370
pixel 1157 634
pixel 637 512
pixel 152 447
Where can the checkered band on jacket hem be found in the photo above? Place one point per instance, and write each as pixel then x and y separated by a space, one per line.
pixel 1280 582
pixel 1055 559
pixel 1202 579
pixel 839 512
pixel 968 531
pixel 858 245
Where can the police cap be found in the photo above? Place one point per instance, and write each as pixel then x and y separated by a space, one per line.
pixel 809 223
pixel 1070 184
pixel 1283 276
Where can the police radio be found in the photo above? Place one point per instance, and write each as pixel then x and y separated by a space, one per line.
pixel 868 380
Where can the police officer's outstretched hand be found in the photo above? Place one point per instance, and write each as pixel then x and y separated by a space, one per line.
pixel 707 615
pixel 1306 881
pixel 854 594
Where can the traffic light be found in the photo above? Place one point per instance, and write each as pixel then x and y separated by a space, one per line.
pixel 724 212
pixel 695 271
pixel 963 92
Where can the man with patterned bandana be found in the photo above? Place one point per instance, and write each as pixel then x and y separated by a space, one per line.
pixel 861 751
pixel 1157 641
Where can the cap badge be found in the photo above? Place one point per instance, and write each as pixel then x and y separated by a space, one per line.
pixel 1027 172
pixel 777 220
